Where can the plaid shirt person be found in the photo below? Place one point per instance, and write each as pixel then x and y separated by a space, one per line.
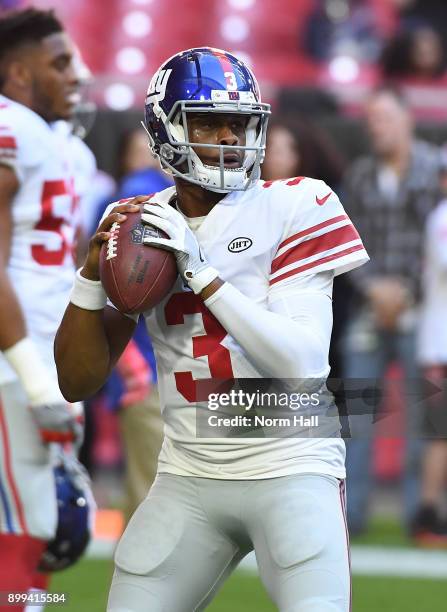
pixel 389 195
pixel 391 220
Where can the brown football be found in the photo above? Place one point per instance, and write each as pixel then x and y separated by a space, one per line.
pixel 135 277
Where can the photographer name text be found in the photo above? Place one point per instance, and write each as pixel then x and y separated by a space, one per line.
pixel 263 421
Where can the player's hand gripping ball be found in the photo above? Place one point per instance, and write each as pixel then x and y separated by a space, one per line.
pixel 135 276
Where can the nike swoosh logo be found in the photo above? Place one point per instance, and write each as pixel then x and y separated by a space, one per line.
pixel 321 201
pixel 200 255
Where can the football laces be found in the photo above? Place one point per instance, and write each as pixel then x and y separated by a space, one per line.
pixel 112 241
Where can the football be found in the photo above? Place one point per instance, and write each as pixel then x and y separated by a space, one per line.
pixel 134 276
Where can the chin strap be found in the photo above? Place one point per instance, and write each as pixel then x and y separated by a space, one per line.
pixel 210 177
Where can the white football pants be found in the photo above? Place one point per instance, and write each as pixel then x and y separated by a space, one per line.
pixel 189 534
pixel 28 503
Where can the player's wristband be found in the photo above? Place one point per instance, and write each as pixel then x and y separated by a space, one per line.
pixel 30 368
pixel 88 294
pixel 202 279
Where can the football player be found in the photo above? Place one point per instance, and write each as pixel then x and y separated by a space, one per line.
pixel 37 229
pixel 256 263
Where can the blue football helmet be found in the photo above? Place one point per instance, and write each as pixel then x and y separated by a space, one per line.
pixel 205 80
pixel 76 508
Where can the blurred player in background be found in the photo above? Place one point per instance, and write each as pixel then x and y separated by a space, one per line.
pixel 430 525
pixel 72 480
pixel 38 85
pixel 389 194
pixel 263 312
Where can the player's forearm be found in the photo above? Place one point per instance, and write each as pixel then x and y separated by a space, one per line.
pixel 12 322
pixel 20 351
pixel 82 354
pixel 90 339
pixel 91 336
pixel 280 347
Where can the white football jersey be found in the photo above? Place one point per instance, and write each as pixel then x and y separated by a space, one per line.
pixel 432 341
pixel 85 180
pixel 259 240
pixel 44 219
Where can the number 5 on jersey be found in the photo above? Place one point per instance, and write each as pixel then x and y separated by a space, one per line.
pixel 49 222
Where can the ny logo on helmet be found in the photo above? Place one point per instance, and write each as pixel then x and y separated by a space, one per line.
pixel 157 87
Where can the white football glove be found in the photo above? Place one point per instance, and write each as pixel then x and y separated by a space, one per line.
pixel 191 261
pixel 58 421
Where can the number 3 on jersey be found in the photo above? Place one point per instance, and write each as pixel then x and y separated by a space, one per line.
pixel 209 345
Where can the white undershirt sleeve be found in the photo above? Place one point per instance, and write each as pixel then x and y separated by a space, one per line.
pixel 291 338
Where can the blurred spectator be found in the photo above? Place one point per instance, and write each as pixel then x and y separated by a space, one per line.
pixel 415 54
pixel 348 27
pixel 388 196
pixel 282 157
pixel 135 162
pixel 299 147
pixel 413 13
pixel 134 154
pixel 427 57
pixel 131 392
pixel 429 527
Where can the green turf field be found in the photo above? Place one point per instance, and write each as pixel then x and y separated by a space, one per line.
pixel 384 531
pixel 87 583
